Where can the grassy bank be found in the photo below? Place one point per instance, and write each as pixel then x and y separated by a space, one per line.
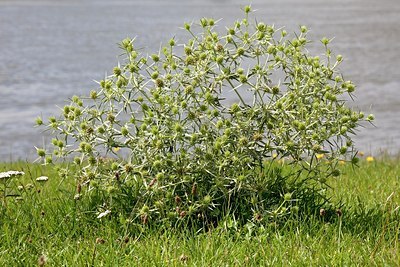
pixel 47 225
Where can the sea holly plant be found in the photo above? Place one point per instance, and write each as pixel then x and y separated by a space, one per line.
pixel 230 123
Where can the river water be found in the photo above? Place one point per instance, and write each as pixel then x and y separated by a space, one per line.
pixel 51 50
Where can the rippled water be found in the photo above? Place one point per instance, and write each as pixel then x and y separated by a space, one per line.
pixel 51 50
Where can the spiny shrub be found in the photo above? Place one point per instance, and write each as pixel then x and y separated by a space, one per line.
pixel 200 130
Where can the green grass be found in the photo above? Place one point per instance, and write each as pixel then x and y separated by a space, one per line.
pixel 48 221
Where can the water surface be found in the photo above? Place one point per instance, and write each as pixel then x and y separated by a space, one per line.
pixel 51 50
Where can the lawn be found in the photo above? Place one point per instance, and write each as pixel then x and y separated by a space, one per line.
pixel 46 225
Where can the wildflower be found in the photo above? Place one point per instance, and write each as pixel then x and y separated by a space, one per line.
pixel 370 159
pixel 9 174
pixel 116 149
pixel 42 179
pixel 105 213
pixel 342 162
pixel 360 153
pixel 319 156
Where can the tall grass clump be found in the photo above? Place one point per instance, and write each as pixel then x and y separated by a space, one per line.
pixel 159 142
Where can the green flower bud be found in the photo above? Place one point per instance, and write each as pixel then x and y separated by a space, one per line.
pixel 178 128
pixel 88 148
pixel 219 124
pixel 154 75
pixel 40 152
pixel 355 160
pixel 114 166
pixel 243 141
pixel 49 160
pixel 207 200
pixel 77 160
pixel 60 144
pixel 240 51
pixel 345 119
pixel 219 59
pixel 189 89
pixel 234 108
pixel 39 121
pixel 155 57
pixel 275 90
pixel 343 150
pixel 287 197
pixel 187 26
pixel 160 176
pixel 204 22
pixel 261 27
pixel 243 78
pixel 325 41
pixel 302 126
pixel 289 145
pixel 124 131
pixel 117 71
pixel 93 94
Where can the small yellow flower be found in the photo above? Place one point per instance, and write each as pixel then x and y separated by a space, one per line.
pixel 342 162
pixel 319 156
pixel 361 154
pixel 274 155
pixel 116 149
pixel 370 159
